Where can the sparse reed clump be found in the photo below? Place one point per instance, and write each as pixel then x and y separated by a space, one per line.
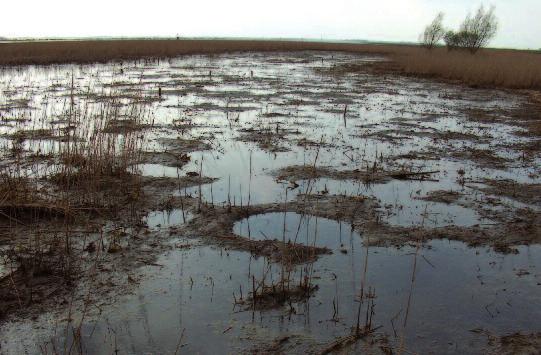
pixel 86 178
pixel 96 159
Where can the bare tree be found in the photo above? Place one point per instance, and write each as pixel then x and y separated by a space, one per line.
pixel 433 33
pixel 477 31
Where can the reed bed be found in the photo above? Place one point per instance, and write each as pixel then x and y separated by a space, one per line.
pixel 489 67
pixel 91 51
pixel 497 68
pixel 84 175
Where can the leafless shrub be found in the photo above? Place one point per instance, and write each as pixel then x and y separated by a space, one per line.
pixel 433 33
pixel 475 32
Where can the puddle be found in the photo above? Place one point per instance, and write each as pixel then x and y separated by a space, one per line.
pixel 291 227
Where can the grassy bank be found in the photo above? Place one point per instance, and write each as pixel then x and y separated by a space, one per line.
pixel 498 68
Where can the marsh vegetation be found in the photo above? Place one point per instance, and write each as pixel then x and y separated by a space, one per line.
pixel 300 201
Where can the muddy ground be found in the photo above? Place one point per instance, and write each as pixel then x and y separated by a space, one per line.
pixel 278 202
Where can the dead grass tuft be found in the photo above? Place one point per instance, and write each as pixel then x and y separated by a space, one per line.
pixel 278 294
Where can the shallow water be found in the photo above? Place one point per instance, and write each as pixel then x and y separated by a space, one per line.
pixel 189 300
pixel 166 219
pixel 190 297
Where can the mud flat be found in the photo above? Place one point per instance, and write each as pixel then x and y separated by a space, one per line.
pixel 272 202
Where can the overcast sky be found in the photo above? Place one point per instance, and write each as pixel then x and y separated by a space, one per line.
pixel 380 20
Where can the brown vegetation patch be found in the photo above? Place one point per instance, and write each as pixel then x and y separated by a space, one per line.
pixel 31 212
pixel 36 134
pixel 442 196
pixel 531 114
pixel 305 142
pixel 485 116
pixel 463 136
pixel 179 146
pixel 530 149
pixel 525 193
pixel 217 223
pixel 517 343
pixel 482 157
pixel 513 69
pixel 375 174
pixel 360 340
pixel 15 104
pixel 431 133
pixel 433 154
pixel 39 275
pixel 522 229
pixel 389 135
pixel 52 247
pixel 22 202
pixel 273 296
pixel 267 138
pixel 308 172
pixel 167 158
pixel 170 184
pixel 527 115
pixel 488 68
pixel 372 67
pixel 280 345
pixel 104 177
pixel 287 253
pixel 123 126
pixel 17 189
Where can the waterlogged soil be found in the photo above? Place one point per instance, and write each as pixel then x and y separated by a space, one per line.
pixel 265 203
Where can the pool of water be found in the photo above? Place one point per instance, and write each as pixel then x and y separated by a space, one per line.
pixel 432 299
